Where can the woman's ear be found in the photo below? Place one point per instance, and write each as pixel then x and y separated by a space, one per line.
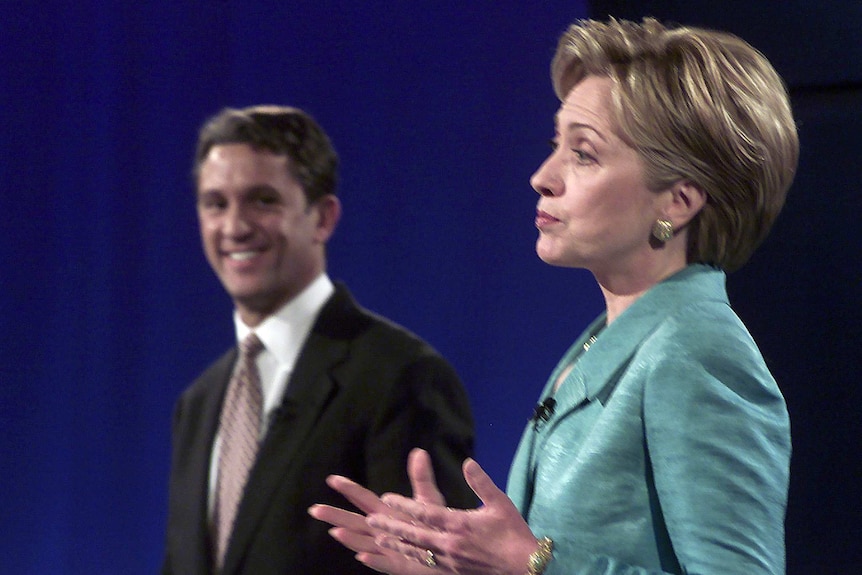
pixel 687 199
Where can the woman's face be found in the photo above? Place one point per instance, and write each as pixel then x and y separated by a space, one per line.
pixel 595 210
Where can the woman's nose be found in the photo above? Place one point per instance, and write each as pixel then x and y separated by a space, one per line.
pixel 545 180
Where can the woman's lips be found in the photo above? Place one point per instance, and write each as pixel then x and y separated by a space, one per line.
pixel 544 219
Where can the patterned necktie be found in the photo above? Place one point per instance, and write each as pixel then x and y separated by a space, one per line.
pixel 239 428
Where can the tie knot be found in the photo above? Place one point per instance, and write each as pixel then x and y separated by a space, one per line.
pixel 250 346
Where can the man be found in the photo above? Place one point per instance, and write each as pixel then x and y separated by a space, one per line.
pixel 325 387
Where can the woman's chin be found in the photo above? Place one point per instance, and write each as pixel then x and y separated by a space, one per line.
pixel 548 254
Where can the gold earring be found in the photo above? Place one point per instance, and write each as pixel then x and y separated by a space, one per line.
pixel 662 230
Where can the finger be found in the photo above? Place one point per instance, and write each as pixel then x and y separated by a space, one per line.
pixel 378 563
pixel 416 557
pixel 410 533
pixel 354 540
pixel 483 486
pixel 435 517
pixel 421 473
pixel 372 562
pixel 362 498
pixel 339 517
pixel 387 561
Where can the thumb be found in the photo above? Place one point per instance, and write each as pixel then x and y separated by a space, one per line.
pixel 482 485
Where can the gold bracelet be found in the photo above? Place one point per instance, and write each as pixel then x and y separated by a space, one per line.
pixel 540 558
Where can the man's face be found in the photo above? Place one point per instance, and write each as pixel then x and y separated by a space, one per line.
pixel 262 239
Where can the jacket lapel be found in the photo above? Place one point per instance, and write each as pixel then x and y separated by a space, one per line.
pixel 202 417
pixel 312 386
pixel 596 372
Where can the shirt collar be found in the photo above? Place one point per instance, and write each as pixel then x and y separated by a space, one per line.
pixel 284 332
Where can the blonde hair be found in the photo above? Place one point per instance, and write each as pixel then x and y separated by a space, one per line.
pixel 700 106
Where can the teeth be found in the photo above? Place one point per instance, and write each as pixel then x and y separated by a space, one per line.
pixel 242 256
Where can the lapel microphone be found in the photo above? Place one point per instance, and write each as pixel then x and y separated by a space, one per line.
pixel 543 412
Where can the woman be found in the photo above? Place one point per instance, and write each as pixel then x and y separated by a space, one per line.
pixel 663 442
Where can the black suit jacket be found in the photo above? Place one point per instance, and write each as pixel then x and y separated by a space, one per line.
pixel 362 394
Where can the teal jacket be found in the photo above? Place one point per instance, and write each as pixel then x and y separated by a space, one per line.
pixel 668 450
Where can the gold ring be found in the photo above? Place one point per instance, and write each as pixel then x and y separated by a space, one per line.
pixel 430 560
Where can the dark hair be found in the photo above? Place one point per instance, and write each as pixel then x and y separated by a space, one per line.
pixel 280 130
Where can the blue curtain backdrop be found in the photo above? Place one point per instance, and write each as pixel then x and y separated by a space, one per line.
pixel 440 112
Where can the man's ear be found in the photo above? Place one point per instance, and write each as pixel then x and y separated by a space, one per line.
pixel 687 199
pixel 328 210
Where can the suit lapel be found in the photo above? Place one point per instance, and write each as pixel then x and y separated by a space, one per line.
pixel 202 418
pixel 312 386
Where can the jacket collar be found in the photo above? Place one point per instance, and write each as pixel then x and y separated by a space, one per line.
pixel 593 374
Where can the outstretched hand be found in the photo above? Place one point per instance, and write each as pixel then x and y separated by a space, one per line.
pixel 401 535
pixel 491 539
pixel 352 531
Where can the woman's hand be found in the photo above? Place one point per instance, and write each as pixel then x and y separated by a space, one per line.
pixel 421 536
pixel 491 539
pixel 351 530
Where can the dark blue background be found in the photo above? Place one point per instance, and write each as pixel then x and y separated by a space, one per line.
pixel 440 112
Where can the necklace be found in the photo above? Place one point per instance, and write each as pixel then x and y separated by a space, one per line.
pixel 586 346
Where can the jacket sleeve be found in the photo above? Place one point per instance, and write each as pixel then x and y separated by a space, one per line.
pixel 427 407
pixel 718 436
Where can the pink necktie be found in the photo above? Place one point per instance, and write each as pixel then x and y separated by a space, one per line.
pixel 239 429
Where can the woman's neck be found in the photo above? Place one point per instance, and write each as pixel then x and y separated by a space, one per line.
pixel 622 290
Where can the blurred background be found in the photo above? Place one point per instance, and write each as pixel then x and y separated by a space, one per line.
pixel 440 112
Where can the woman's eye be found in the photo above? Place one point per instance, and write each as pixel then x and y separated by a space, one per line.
pixel 582 156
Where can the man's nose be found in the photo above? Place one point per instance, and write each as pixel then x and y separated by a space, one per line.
pixel 237 222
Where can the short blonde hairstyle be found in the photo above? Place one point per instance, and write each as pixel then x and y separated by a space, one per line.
pixel 700 106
